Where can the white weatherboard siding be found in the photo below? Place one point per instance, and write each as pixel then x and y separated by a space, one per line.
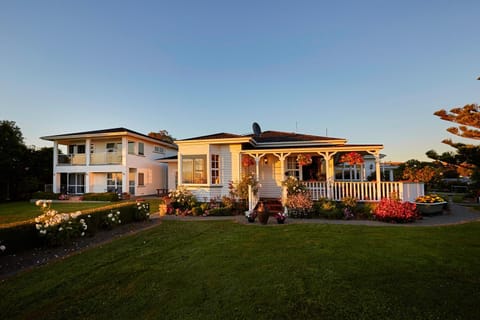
pixel 107 151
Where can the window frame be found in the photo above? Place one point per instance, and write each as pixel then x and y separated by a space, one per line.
pixel 215 169
pixel 198 165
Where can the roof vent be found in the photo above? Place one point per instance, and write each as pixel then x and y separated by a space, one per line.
pixel 256 129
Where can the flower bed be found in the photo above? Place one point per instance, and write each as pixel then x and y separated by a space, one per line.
pixel 430 204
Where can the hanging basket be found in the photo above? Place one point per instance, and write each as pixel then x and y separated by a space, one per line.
pixel 304 159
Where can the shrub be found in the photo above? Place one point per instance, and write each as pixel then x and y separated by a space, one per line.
pixel 327 209
pixel 106 196
pixel 182 199
pixel 294 186
pixel 58 228
pixel 142 211
pixel 220 212
pixel 46 195
pixel 392 210
pixel 111 220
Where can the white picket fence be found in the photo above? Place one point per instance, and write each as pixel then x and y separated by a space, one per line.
pixel 365 190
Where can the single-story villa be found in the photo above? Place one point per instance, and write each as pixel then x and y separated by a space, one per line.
pixel 206 165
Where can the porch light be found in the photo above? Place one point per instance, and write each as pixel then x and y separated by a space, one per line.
pixel 265 160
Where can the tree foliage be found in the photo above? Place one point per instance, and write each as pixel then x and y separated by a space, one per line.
pixel 468 119
pixel 24 170
pixel 162 135
pixel 467 156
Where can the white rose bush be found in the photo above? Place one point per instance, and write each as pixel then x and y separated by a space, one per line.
pixel 57 228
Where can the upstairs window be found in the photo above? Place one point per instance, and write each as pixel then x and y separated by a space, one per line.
pixel 158 149
pixel 141 148
pixel 131 147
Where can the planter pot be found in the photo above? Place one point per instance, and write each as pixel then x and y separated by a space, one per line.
pixel 280 221
pixel 263 217
pixel 251 219
pixel 162 209
pixel 427 209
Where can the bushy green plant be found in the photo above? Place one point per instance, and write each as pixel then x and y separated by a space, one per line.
pixel 111 219
pixel 182 199
pixel 58 228
pixel 220 212
pixel 105 196
pixel 294 186
pixel 241 189
pixel 45 195
pixel 142 211
pixel 327 209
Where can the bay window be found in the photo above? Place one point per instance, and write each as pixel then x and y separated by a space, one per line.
pixel 194 169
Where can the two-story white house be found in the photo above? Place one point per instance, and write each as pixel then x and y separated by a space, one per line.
pixel 111 160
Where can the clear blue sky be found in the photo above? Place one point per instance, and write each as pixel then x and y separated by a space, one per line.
pixel 368 71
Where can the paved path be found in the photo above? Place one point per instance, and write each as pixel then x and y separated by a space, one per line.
pixel 457 214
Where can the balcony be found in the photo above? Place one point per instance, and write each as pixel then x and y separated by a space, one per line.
pixel 105 158
pixel 96 158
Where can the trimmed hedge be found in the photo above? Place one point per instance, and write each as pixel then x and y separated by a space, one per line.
pixel 106 196
pixel 25 236
pixel 220 212
pixel 46 195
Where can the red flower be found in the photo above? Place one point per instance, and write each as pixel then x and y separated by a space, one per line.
pixel 352 158
pixel 247 161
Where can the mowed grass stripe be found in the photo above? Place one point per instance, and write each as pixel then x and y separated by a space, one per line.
pixel 224 270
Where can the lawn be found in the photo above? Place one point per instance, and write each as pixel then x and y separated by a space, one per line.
pixel 225 270
pixel 21 211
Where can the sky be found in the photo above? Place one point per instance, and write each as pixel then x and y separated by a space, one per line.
pixel 368 71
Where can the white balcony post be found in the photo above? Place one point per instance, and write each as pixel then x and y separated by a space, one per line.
pixel 87 151
pixel 378 176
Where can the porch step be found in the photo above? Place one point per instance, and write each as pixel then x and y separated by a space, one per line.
pixel 273 205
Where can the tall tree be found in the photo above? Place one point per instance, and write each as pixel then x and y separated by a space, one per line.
pixel 467 156
pixel 12 156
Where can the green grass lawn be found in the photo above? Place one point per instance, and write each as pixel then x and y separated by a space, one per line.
pixel 225 270
pixel 21 211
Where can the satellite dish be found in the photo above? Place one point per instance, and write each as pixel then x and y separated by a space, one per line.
pixel 256 129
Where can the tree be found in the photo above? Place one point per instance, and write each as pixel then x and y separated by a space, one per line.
pixel 12 155
pixel 467 156
pixel 162 135
pixel 24 170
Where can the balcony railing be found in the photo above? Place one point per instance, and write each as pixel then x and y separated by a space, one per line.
pixel 96 158
pixel 106 158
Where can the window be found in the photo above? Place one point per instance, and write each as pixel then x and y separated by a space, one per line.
pixel 215 164
pixel 76 148
pixel 114 182
pixel 141 179
pixel 141 148
pixel 292 167
pixel 112 147
pixel 194 169
pixel 76 183
pixel 158 149
pixel 131 147
pixel 81 148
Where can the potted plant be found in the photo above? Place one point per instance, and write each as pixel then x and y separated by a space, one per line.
pixel 281 217
pixel 250 216
pixel 262 213
pixel 430 204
